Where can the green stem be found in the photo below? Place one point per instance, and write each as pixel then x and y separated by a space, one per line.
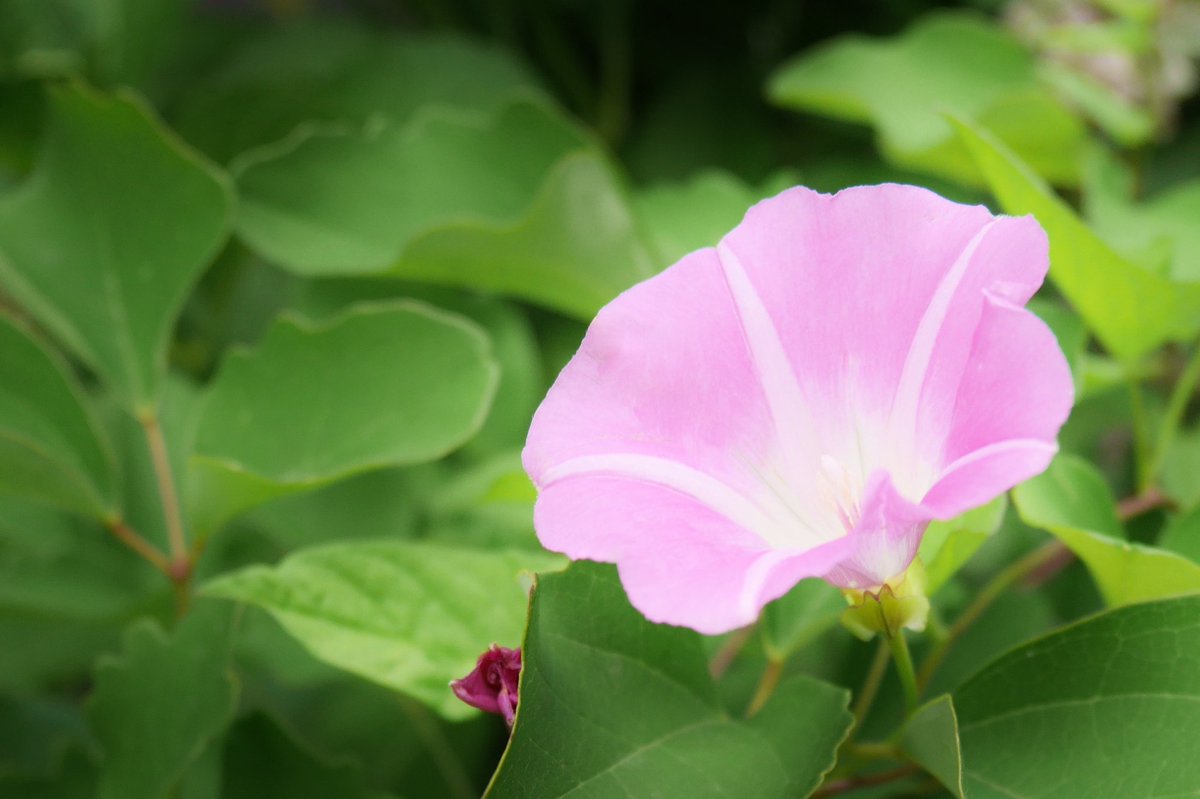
pixel 1141 436
pixel 870 688
pixel 766 686
pixel 1176 406
pixel 904 668
pixel 983 600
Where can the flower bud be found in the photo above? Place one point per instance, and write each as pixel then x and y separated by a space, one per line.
pixel 492 686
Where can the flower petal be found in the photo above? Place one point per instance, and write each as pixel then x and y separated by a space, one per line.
pixel 680 561
pixel 869 289
pixel 885 540
pixel 1009 407
pixel 664 380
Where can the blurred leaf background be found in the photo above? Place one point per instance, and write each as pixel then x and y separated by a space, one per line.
pixel 282 283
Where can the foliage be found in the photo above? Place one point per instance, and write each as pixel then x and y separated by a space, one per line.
pixel 282 283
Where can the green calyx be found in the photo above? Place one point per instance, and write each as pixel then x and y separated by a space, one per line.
pixel 897 604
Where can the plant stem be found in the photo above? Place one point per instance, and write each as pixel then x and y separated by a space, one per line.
pixel 866 781
pixel 729 651
pixel 989 594
pixel 130 538
pixel 870 687
pixel 766 686
pixel 166 490
pixel 1150 499
pixel 1141 436
pixel 904 668
pixel 874 750
pixel 1176 406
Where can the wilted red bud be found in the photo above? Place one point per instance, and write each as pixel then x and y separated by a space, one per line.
pixel 492 686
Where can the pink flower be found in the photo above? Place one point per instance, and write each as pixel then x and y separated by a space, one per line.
pixel 801 401
pixel 492 685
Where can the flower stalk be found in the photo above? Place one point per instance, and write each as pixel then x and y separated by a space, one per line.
pixel 904 668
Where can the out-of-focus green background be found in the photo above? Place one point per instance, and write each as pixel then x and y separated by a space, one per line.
pixel 282 283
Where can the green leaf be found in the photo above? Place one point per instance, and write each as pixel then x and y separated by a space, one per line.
pixel 575 248
pixel 331 71
pixel 680 218
pixel 1161 229
pixel 39 39
pixel 1102 708
pixel 1182 535
pixel 396 741
pixel 948 545
pixel 1072 501
pixel 930 738
pixel 37 732
pixel 411 616
pixel 382 385
pixel 50 447
pixel 75 779
pixel 156 709
pixel 614 705
pixel 115 41
pixel 1124 121
pixel 106 239
pixel 1130 310
pixel 522 380
pixel 60 566
pixel 330 201
pixel 261 762
pixel 948 62
pixel 809 609
pixel 1180 467
pixel 41 653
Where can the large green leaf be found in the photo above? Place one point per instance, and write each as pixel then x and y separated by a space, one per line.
pixel 945 62
pixel 1104 708
pixel 409 615
pixel 262 762
pixel 1160 231
pixel 514 345
pixel 331 201
pixel 105 240
pixel 614 705
pixel 57 565
pixel 576 247
pixel 382 385
pixel 1130 310
pixel 328 71
pixel 1072 501
pixel 156 709
pixel 50 447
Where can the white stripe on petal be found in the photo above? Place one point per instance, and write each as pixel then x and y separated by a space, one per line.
pixel 903 422
pixel 788 405
pixel 704 488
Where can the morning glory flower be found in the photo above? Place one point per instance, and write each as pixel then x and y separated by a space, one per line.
pixel 801 401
